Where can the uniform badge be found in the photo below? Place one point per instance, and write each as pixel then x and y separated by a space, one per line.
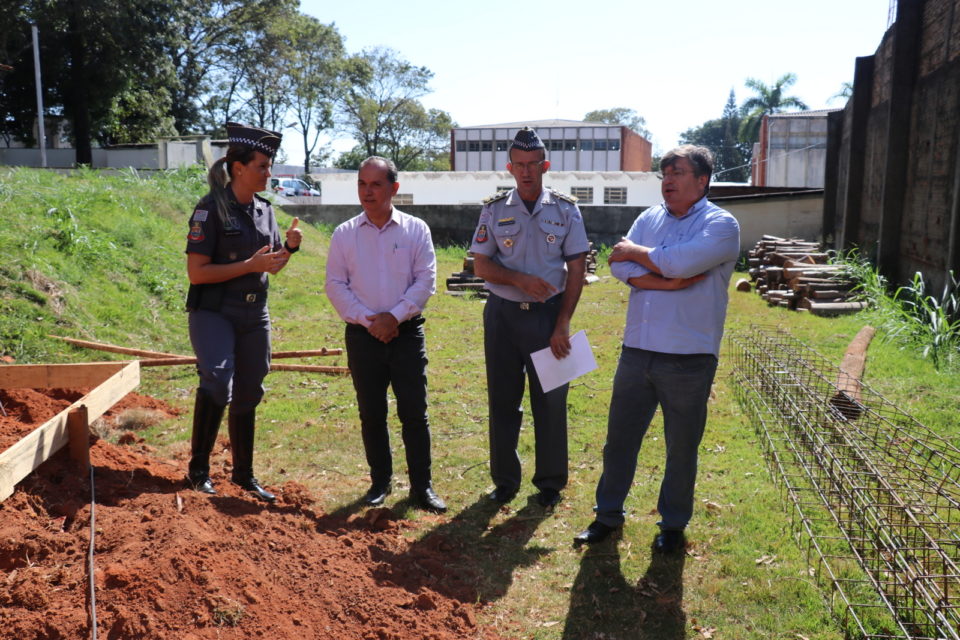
pixel 508 242
pixel 505 222
pixel 551 238
pixel 196 233
pixel 200 215
pixel 233 256
pixel 482 234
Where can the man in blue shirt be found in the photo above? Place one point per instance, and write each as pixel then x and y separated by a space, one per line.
pixel 677 259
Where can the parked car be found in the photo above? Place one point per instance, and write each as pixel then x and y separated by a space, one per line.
pixel 292 187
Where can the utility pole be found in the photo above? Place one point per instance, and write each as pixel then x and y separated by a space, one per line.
pixel 36 74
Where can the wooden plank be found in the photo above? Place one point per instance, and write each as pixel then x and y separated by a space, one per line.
pixel 78 432
pixel 17 462
pixel 53 376
pixel 113 348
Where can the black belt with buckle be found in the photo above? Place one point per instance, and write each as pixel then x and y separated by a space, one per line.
pixel 248 296
pixel 529 306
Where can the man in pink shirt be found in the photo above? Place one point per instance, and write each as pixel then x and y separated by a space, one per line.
pixel 381 270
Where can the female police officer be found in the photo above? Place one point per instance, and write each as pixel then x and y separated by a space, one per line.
pixel 233 244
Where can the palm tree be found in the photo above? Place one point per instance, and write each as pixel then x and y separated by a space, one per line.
pixel 766 101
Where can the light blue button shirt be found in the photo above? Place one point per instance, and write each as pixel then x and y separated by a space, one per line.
pixel 371 269
pixel 706 240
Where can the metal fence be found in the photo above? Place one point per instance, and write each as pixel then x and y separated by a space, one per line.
pixel 875 495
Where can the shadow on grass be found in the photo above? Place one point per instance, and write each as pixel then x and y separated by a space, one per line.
pixel 464 558
pixel 603 604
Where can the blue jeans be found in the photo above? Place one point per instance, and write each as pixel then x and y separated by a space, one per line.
pixel 680 385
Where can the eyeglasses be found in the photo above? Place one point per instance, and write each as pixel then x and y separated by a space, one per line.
pixel 527 166
pixel 673 174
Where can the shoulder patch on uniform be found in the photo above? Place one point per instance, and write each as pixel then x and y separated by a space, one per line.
pixel 564 196
pixel 196 233
pixel 499 195
pixel 200 215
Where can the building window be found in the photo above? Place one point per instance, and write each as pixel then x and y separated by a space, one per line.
pixel 473 145
pixel 584 195
pixel 402 199
pixel 614 195
pixel 486 145
pixel 503 145
pixel 613 145
pixel 554 145
pixel 600 145
pixel 569 145
pixel 461 145
pixel 586 145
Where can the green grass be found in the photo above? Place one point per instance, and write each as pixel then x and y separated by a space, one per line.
pixel 107 264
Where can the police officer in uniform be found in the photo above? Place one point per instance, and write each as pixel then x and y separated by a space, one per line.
pixel 233 243
pixel 530 246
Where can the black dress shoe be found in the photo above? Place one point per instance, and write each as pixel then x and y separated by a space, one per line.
pixel 503 495
pixel 670 541
pixel 201 484
pixel 377 494
pixel 596 532
pixel 253 486
pixel 428 500
pixel 548 498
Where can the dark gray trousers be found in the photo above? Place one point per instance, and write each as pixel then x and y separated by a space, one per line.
pixel 510 334
pixel 232 346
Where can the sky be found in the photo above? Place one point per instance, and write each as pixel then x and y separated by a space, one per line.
pixel 673 62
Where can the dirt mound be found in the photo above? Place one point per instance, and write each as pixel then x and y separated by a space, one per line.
pixel 173 563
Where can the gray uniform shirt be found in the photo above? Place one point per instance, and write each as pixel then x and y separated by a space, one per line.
pixel 538 243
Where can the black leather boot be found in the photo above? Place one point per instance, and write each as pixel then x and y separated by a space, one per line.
pixel 206 423
pixel 241 441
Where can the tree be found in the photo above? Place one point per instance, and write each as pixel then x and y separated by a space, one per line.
pixel 620 115
pixel 731 155
pixel 214 41
pixel 845 93
pixel 766 101
pixel 381 110
pixel 316 65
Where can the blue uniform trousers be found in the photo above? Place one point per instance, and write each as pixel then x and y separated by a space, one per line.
pixel 680 385
pixel 232 346
pixel 401 364
pixel 511 332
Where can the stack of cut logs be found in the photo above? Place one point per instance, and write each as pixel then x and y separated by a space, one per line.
pixel 466 282
pixel 794 273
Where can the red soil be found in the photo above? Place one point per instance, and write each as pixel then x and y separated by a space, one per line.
pixel 173 563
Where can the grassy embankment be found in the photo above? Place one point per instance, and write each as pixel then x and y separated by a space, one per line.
pixel 101 258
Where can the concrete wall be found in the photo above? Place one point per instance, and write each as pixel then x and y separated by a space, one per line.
pixel 897 192
pixel 163 155
pixel 786 214
pixel 471 187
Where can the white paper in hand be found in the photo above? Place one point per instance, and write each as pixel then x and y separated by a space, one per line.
pixel 553 373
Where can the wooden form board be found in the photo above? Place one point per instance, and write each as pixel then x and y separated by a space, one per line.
pixel 111 381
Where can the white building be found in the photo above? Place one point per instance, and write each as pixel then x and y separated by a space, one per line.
pixel 571 145
pixel 631 188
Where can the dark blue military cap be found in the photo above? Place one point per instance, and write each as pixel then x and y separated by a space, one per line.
pixel 263 140
pixel 527 140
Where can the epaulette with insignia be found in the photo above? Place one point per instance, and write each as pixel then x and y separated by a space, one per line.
pixel 499 195
pixel 564 196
